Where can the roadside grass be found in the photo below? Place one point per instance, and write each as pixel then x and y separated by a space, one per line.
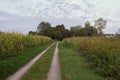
pixel 12 64
pixel 74 66
pixel 40 69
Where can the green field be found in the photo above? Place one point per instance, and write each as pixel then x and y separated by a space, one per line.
pixel 75 67
pixel 102 54
pixel 40 69
pixel 11 64
pixel 81 58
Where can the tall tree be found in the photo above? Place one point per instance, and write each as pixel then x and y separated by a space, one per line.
pixel 63 33
pixel 43 28
pixel 75 30
pixel 90 30
pixel 87 24
pixel 59 32
pixel 100 24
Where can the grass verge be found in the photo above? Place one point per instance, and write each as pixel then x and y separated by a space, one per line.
pixel 12 64
pixel 74 66
pixel 40 69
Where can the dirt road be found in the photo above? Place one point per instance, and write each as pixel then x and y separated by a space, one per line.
pixel 54 72
pixel 25 68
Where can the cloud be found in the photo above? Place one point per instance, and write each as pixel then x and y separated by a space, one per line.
pixel 4 18
pixel 44 7
pixel 75 10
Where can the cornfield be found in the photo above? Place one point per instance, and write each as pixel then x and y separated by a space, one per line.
pixel 11 43
pixel 102 54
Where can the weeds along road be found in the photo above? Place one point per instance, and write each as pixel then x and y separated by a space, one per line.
pixel 24 69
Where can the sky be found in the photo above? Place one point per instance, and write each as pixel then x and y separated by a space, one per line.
pixel 25 15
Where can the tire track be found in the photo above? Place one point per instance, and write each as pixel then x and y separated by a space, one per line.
pixel 54 72
pixel 17 75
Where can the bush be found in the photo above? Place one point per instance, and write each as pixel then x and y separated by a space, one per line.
pixel 103 54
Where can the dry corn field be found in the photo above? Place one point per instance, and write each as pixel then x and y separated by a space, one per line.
pixel 11 43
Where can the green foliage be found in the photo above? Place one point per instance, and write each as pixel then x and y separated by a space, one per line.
pixel 103 54
pixel 40 69
pixel 73 66
pixel 11 43
pixel 88 30
pixel 43 26
pixel 57 33
pixel 100 24
pixel 12 64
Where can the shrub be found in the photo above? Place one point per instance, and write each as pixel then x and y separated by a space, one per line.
pixel 103 54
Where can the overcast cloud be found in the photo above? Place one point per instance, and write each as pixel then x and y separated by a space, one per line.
pixel 25 15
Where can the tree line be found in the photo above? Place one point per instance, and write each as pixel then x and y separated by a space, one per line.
pixel 59 32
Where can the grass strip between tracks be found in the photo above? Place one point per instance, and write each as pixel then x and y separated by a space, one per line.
pixel 40 69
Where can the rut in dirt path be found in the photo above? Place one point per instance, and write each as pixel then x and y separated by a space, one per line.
pixel 24 69
pixel 54 72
